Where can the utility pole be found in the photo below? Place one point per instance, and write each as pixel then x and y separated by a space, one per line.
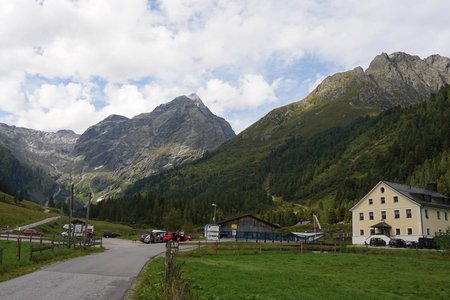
pixel 60 224
pixel 214 217
pixel 70 216
pixel 87 219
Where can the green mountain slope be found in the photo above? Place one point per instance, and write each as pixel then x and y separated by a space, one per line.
pixel 335 167
pixel 26 180
pixel 323 151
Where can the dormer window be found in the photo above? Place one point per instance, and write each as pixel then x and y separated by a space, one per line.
pixel 382 190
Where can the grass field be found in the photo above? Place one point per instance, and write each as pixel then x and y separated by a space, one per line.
pixel 22 213
pixel 100 227
pixel 11 267
pixel 380 274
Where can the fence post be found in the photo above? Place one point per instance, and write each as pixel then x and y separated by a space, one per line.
pixel 18 248
pixel 40 245
pixel 7 236
pixel 1 256
pixel 301 247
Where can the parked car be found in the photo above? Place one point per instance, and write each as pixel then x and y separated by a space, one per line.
pixel 411 244
pixel 427 243
pixel 168 236
pixel 110 234
pixel 377 242
pixel 397 243
pixel 145 238
pixel 30 231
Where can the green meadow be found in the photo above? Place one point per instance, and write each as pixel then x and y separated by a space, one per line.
pixel 11 267
pixel 378 274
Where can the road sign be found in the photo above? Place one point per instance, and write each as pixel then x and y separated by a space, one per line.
pixel 212 232
pixel 234 226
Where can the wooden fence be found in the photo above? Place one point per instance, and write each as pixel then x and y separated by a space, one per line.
pixel 49 243
pixel 260 246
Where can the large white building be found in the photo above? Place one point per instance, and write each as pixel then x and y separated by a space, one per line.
pixel 392 210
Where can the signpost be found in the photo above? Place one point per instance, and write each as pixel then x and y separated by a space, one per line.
pixel 234 228
pixel 212 232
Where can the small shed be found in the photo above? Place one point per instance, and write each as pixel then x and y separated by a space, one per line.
pixel 248 227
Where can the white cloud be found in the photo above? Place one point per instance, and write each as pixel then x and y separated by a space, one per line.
pixel 54 107
pixel 225 50
pixel 253 90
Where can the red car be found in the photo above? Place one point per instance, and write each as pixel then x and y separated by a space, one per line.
pixel 168 236
pixel 30 231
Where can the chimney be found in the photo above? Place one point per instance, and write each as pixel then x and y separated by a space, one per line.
pixel 432 186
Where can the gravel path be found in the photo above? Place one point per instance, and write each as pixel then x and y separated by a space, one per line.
pixel 48 220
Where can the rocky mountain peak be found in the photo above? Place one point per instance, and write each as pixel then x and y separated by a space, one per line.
pixel 174 132
pixel 115 118
pixel 391 79
pixel 66 132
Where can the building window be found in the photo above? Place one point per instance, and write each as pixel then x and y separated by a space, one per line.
pixel 382 190
pixel 370 201
pixel 383 200
pixel 445 216
pixel 371 215
pixel 361 232
pixel 408 213
pixel 372 231
pixel 426 213
pixel 361 216
pixel 440 231
pixel 409 231
pixel 395 199
pixel 397 214
pixel 438 214
pixel 397 231
pixel 428 231
pixel 383 215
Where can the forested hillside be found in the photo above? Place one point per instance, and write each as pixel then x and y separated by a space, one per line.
pixel 327 172
pixel 22 180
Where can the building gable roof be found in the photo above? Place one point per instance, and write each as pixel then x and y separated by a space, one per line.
pixel 251 216
pixel 421 196
pixel 361 200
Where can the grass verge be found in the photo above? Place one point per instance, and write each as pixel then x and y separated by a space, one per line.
pixel 149 285
pixel 11 267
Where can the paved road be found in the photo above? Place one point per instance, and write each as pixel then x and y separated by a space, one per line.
pixel 48 220
pixel 107 275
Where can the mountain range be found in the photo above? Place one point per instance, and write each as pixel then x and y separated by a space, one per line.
pixel 117 150
pixel 320 153
pixel 311 152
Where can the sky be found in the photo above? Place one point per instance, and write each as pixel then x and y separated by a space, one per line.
pixel 67 64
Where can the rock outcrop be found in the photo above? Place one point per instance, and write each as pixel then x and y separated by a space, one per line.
pixel 390 80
